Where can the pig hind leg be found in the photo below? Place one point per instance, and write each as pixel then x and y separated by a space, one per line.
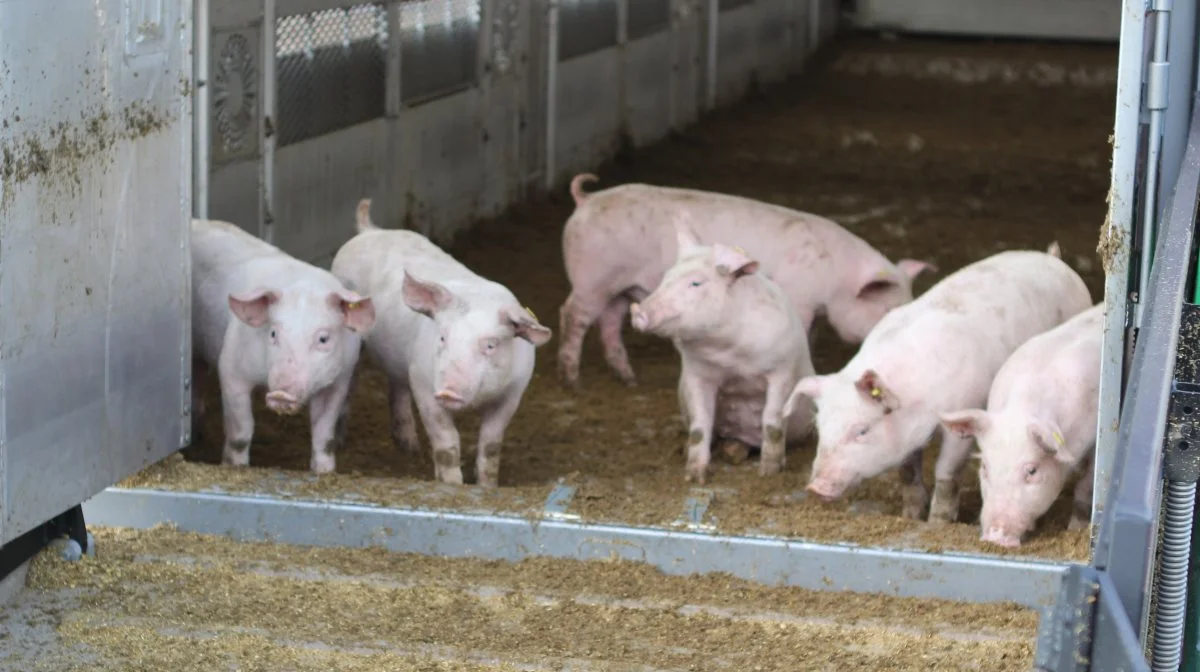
pixel 343 421
pixel 1081 515
pixel 199 374
pixel 916 496
pixel 951 459
pixel 404 425
pixel 610 324
pixel 575 317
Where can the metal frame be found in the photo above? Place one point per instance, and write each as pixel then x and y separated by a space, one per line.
pixel 1059 19
pixel 770 560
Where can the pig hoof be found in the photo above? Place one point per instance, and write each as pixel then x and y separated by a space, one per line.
pixel 913 511
pixel 322 465
pixel 451 476
pixel 942 515
pixel 697 475
pixel 766 468
pixel 1078 524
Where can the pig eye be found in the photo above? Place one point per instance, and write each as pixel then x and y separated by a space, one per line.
pixel 1031 470
pixel 323 339
pixel 862 431
pixel 273 334
pixel 696 283
pixel 442 340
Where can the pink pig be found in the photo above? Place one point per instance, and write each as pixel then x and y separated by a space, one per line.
pixel 934 355
pixel 297 331
pixel 449 340
pixel 619 242
pixel 742 345
pixel 1039 427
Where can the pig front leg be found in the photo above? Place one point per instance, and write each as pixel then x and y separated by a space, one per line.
pixel 575 317
pixel 701 399
pixel 774 437
pixel 239 420
pixel 1081 516
pixel 912 479
pixel 439 425
pixel 343 420
pixel 404 425
pixel 950 462
pixel 325 413
pixel 491 439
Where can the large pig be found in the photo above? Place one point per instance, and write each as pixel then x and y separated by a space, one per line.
pixel 936 354
pixel 1039 427
pixel 447 338
pixel 742 345
pixel 298 331
pixel 619 242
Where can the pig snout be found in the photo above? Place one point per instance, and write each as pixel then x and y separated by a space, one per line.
pixel 1001 537
pixel 450 399
pixel 283 403
pixel 827 489
pixel 638 317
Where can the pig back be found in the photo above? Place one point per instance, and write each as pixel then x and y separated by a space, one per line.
pixel 947 346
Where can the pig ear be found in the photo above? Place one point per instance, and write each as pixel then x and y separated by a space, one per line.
pixel 526 325
pixel 1048 437
pixel 684 236
pixel 913 267
pixel 871 386
pixel 809 386
pixel 251 307
pixel 732 262
pixel 966 424
pixel 358 312
pixel 426 298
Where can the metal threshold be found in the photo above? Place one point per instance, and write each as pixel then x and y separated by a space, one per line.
pixel 688 550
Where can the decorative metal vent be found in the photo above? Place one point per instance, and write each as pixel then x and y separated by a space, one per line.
pixel 439 47
pixel 234 84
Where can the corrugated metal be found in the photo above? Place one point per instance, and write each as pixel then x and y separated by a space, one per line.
pixel 439 48
pixel 94 267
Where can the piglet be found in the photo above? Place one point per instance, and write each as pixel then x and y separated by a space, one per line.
pixel 449 339
pixel 934 355
pixel 619 242
pixel 264 318
pixel 1039 428
pixel 742 344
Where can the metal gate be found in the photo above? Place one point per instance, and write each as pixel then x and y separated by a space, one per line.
pixel 95 135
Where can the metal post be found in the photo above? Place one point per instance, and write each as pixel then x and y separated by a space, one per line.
pixel 1114 247
pixel 551 91
pixel 814 25
pixel 714 13
pixel 1157 97
pixel 266 174
pixel 1181 53
pixel 201 114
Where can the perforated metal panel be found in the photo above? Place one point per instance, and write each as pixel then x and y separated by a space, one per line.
pixel 586 26
pixel 236 82
pixel 439 48
pixel 726 5
pixel 647 17
pixel 331 69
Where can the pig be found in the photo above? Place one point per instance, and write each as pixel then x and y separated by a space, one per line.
pixel 1038 429
pixel 619 242
pixel 934 355
pixel 742 346
pixel 446 338
pixel 264 318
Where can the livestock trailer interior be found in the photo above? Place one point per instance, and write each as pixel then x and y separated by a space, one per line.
pixel 940 132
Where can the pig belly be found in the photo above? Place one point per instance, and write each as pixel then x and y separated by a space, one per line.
pixel 739 411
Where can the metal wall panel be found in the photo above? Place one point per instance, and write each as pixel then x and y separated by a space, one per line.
pixel 94 264
pixel 647 17
pixel 331 69
pixel 585 27
pixel 439 47
pixel 726 5
pixel 1055 19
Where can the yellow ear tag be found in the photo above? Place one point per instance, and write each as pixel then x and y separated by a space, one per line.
pixel 1058 438
pixel 739 250
pixel 882 275
pixel 531 313
pixel 352 305
pixel 876 392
